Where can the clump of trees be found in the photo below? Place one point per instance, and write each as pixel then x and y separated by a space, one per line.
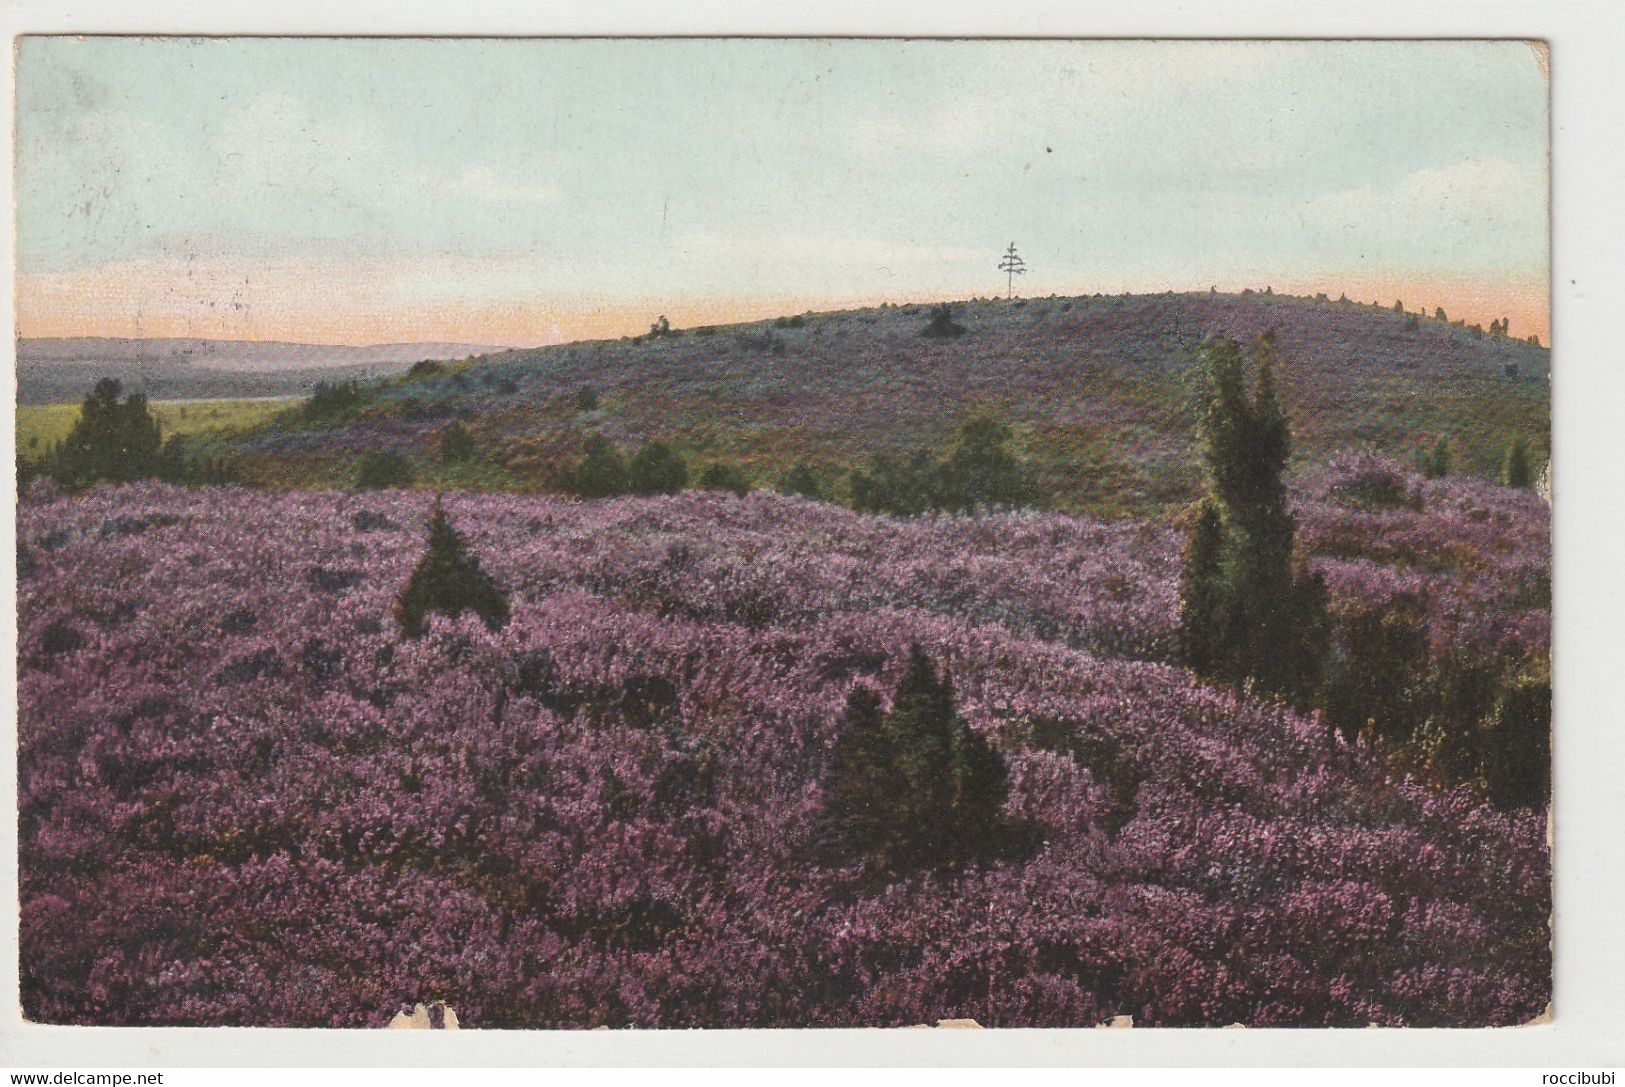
pixel 1462 713
pixel 603 472
pixel 979 471
pixel 1517 766
pixel 448 580
pixel 425 369
pixel 113 440
pixel 913 786
pixel 1249 614
pixel 118 440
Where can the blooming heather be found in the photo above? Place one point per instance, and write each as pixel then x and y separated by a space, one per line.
pixel 246 799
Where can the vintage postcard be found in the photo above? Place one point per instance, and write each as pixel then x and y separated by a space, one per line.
pixel 671 533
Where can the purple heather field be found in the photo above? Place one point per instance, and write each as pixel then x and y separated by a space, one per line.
pixel 247 799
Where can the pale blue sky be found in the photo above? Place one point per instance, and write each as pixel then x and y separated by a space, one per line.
pixel 276 186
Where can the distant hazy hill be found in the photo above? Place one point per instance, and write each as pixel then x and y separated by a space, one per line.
pixel 1098 389
pixel 53 370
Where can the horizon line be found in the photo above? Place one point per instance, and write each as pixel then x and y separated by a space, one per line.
pixel 834 306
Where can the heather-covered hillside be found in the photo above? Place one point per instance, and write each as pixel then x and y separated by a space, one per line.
pixel 247 798
pixel 1099 391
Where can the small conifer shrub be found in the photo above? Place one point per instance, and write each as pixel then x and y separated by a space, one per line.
pixel 1439 463
pixel 915 786
pixel 942 324
pixel 1517 471
pixel 448 580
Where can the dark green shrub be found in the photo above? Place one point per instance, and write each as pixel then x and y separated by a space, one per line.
pixel 801 480
pixel 900 486
pixel 1438 463
pixel 333 403
pixel 183 462
pixel 449 581
pixel 586 399
pixel 1517 471
pixel 724 477
pixel 1376 680
pixel 426 368
pixel 1377 485
pixel 28 471
pixel 382 469
pixel 980 471
pixel 859 816
pixel 601 472
pixel 457 444
pixel 657 469
pixel 59 638
pixel 1518 752
pixel 942 324
pixel 1201 596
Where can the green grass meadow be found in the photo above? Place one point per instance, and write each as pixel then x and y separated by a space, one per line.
pixel 40 427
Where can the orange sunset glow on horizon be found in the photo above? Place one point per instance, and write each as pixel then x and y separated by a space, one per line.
pixel 93 307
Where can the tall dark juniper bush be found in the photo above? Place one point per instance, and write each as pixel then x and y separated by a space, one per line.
pixel 916 786
pixel 1247 613
pixel 1518 472
pixel 448 580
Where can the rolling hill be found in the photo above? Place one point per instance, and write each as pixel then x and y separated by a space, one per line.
pixel 1099 391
